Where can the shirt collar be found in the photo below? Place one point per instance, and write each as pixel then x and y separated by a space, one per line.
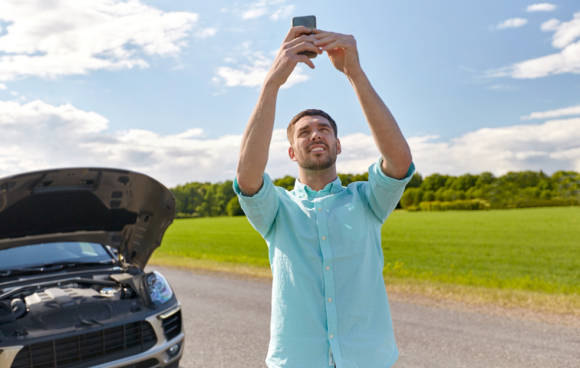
pixel 334 186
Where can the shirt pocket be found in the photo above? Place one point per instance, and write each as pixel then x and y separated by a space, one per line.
pixel 348 231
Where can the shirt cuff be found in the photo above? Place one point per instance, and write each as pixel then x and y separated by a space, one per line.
pixel 376 168
pixel 266 183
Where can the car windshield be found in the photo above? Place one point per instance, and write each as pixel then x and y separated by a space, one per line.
pixel 49 253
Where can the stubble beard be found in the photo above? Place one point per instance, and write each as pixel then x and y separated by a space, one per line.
pixel 315 165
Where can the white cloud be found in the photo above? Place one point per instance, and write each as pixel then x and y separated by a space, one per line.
pixel 50 39
pixel 512 23
pixel 567 60
pixel 37 135
pixel 191 133
pixel 550 114
pixel 501 87
pixel 253 72
pixel 541 7
pixel 2 86
pixel 253 75
pixel 42 115
pixel 254 13
pixel 206 32
pixel 283 12
pixel 549 146
pixel 276 9
pixel 550 25
pixel 566 32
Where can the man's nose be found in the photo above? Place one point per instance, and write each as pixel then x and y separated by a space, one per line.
pixel 315 135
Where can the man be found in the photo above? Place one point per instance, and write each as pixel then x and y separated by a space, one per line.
pixel 329 304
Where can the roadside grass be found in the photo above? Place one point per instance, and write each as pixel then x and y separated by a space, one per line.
pixel 523 249
pixel 522 258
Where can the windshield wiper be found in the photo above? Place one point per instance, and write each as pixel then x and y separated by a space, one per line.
pixel 51 267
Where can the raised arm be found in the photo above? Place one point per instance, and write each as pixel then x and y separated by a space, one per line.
pixel 258 133
pixel 343 54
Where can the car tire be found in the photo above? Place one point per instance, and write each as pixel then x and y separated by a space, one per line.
pixel 173 365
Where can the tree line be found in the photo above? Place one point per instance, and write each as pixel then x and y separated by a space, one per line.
pixel 512 190
pixel 434 192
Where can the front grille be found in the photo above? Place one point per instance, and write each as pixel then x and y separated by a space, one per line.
pixel 172 325
pixel 94 347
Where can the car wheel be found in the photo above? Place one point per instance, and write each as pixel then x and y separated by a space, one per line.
pixel 173 365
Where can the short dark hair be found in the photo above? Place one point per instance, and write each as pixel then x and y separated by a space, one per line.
pixel 309 112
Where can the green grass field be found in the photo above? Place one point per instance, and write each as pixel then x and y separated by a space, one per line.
pixel 535 251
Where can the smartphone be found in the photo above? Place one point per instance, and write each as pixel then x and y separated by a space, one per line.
pixel 308 21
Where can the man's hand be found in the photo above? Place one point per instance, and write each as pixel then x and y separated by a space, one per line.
pixel 343 54
pixel 297 40
pixel 258 133
pixel 341 50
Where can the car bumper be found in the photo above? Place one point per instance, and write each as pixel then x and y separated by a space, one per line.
pixel 163 353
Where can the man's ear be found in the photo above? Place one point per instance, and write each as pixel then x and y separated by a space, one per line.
pixel 291 153
pixel 338 148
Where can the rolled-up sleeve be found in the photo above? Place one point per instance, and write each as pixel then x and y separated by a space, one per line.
pixel 383 192
pixel 261 208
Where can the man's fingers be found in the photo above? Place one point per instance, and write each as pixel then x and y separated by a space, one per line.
pixel 297 31
pixel 324 34
pixel 306 60
pixel 298 40
pixel 320 33
pixel 335 45
pixel 304 46
pixel 346 42
pixel 302 43
pixel 326 40
pixel 333 40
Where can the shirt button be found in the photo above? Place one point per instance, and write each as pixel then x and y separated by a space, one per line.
pixel 323 237
pixel 331 336
pixel 330 300
pixel 327 268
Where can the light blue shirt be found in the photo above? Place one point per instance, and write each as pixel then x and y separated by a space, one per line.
pixel 329 303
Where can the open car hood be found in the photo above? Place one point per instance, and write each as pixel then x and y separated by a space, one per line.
pixel 127 210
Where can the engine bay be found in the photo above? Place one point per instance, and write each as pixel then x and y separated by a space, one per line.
pixel 38 310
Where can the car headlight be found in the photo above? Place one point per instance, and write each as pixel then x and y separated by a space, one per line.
pixel 159 290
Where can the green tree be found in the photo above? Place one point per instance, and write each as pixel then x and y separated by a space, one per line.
pixel 346 179
pixel 434 182
pixel 411 197
pixel 464 182
pixel 485 178
pixel 233 208
pixel 428 196
pixel 286 182
pixel 224 192
pixel 514 189
pixel 416 181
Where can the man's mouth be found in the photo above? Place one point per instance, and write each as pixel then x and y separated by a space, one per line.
pixel 318 148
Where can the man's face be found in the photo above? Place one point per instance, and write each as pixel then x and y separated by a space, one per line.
pixel 314 145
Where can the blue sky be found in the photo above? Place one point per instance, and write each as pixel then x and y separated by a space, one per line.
pixel 166 88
